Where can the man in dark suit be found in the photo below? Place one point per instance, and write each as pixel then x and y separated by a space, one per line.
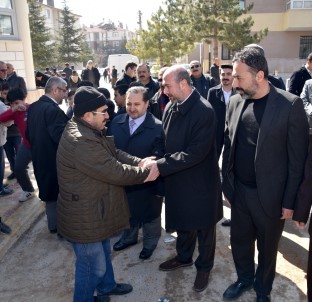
pixel 45 125
pixel 191 174
pixel 139 133
pixel 201 82
pixel 299 77
pixel 302 213
pixel 268 131
pixel 219 97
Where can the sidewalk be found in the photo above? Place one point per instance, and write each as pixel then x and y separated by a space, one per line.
pixel 40 267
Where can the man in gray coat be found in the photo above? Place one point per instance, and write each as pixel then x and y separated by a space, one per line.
pixel 268 131
pixel 191 174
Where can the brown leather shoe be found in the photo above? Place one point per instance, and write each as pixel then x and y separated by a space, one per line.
pixel 173 264
pixel 201 281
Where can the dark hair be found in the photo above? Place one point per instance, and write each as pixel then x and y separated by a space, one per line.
pixel 70 93
pixel 105 92
pixel 122 89
pixel 254 59
pixel 15 94
pixel 84 83
pixel 139 89
pixel 130 65
pixel 4 86
pixel 136 84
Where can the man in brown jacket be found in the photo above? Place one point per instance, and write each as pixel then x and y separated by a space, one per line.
pixel 92 204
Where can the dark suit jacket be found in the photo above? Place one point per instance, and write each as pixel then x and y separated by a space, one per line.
pixel 304 198
pixel 146 141
pixel 297 80
pixel 45 125
pixel 281 150
pixel 216 99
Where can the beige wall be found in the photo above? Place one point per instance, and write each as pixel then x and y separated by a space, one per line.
pixel 267 6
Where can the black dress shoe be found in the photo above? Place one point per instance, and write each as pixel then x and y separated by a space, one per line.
pixel 235 290
pixel 119 245
pixel 226 222
pixel 263 298
pixel 121 289
pixel 146 253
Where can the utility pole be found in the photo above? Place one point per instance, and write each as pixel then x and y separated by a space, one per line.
pixel 140 19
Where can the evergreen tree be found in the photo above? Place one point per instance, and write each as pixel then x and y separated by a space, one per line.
pixel 43 52
pixel 71 41
pixel 162 41
pixel 214 21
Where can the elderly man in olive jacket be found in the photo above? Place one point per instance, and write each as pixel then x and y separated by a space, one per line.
pixel 191 175
pixel 92 204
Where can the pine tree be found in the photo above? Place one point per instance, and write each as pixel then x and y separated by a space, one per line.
pixel 161 41
pixel 214 21
pixel 71 41
pixel 43 52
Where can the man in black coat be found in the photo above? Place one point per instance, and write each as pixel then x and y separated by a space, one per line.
pixel 214 70
pixel 145 138
pixel 129 75
pixel 191 174
pixel 201 82
pixel 45 125
pixel 268 131
pixel 14 80
pixel 91 74
pixel 299 77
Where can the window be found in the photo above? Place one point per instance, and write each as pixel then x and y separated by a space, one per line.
pixel 115 43
pixel 305 46
pixel 115 34
pixel 8 28
pixel 46 13
pixel 296 4
pixel 226 53
pixel 242 4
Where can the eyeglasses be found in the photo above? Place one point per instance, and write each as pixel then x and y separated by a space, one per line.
pixel 97 112
pixel 64 90
pixel 3 70
pixel 194 66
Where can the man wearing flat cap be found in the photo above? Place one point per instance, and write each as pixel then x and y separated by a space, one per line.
pixel 92 204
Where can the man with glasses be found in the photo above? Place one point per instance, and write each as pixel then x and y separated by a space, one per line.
pixel 268 131
pixel 92 204
pixel 299 77
pixel 160 99
pixel 45 124
pixel 201 82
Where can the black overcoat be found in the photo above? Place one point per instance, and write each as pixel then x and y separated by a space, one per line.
pixel 190 168
pixel 45 125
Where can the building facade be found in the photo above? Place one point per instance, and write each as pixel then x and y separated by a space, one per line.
pixel 289 40
pixel 105 39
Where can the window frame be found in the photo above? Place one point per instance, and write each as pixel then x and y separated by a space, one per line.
pixel 12 14
pixel 305 48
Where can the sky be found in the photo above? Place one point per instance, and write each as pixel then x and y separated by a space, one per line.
pixel 125 11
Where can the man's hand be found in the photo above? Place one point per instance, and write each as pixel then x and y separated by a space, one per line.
pixel 286 213
pixel 154 172
pixel 146 161
pixel 299 225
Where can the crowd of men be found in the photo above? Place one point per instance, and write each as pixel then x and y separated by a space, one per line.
pixel 102 171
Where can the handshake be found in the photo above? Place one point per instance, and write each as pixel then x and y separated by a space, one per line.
pixel 151 164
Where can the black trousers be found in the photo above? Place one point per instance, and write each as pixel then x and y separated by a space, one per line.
pixel 309 272
pixel 185 246
pixel 250 224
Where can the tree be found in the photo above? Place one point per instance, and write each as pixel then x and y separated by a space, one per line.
pixel 214 21
pixel 162 40
pixel 71 41
pixel 42 48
